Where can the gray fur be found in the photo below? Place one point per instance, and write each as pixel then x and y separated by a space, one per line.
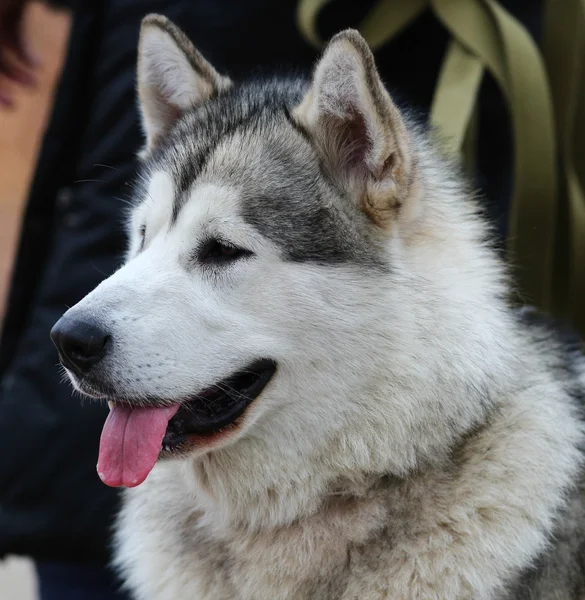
pixel 247 137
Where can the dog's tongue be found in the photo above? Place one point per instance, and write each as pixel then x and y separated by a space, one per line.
pixel 130 443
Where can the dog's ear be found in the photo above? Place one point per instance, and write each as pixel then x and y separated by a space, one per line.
pixel 172 77
pixel 357 128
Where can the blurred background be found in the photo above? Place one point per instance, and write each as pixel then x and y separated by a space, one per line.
pixel 22 126
pixel 18 580
pixel 21 130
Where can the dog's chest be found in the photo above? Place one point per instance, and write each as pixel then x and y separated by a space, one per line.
pixel 169 549
pixel 309 559
pixel 284 569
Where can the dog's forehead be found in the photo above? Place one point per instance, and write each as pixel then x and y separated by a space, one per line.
pixel 254 147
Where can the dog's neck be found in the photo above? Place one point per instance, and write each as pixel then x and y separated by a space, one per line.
pixel 254 491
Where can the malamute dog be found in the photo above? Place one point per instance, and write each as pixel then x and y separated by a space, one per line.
pixel 318 389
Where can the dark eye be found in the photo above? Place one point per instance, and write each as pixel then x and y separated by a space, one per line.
pixel 216 251
pixel 142 232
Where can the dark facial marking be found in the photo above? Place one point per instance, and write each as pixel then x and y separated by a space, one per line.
pixel 285 194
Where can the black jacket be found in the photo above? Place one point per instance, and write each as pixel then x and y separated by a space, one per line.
pixel 52 504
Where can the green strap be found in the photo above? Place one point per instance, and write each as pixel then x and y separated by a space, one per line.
pixel 577 187
pixel 380 25
pixel 456 95
pixel 564 50
pixel 510 54
pixel 307 13
pixel 469 147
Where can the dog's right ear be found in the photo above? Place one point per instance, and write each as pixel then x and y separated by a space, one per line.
pixel 172 77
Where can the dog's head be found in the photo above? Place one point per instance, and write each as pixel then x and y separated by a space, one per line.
pixel 270 294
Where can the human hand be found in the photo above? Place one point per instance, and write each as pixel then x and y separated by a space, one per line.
pixel 16 58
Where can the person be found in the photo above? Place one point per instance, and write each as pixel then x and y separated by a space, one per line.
pixel 53 507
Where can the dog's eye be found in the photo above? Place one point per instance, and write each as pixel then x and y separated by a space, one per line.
pixel 142 232
pixel 216 251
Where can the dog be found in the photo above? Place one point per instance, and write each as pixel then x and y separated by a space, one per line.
pixel 318 386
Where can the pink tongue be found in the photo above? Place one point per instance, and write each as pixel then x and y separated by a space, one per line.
pixel 130 443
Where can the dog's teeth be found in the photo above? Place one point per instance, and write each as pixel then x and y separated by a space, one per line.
pixel 110 404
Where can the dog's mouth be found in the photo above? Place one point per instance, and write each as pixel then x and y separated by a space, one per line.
pixel 137 432
pixel 220 406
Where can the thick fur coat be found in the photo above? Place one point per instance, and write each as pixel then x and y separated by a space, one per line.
pixel 420 439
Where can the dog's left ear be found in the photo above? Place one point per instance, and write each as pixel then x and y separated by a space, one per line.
pixel 172 77
pixel 357 128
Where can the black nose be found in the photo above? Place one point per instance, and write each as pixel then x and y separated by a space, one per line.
pixel 81 344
